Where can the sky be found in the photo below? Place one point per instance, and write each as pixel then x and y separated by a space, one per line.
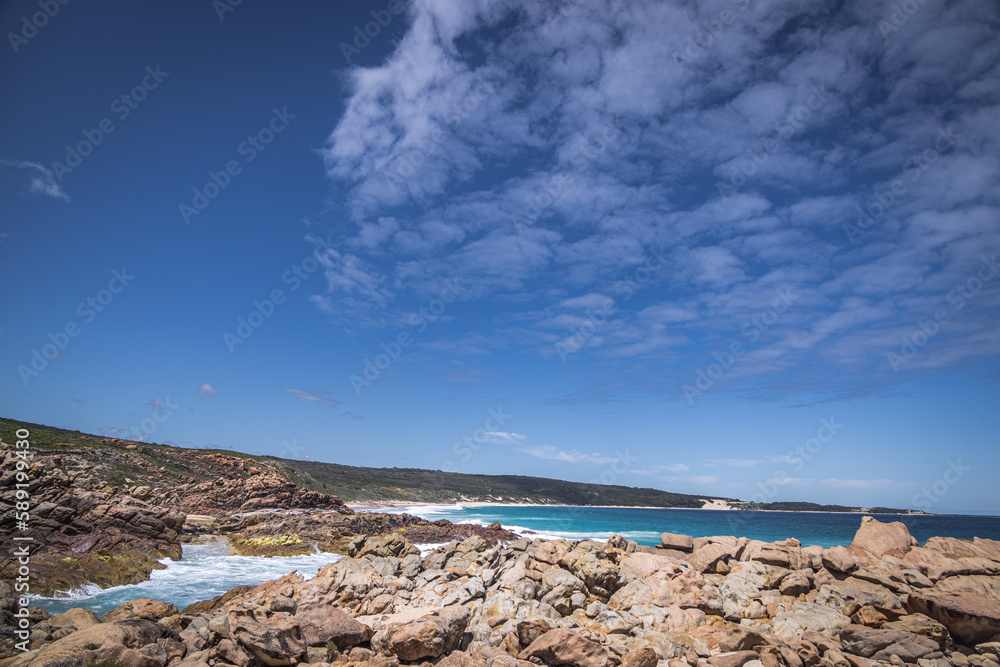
pixel 734 248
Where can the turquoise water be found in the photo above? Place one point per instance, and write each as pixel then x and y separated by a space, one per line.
pixel 206 571
pixel 645 525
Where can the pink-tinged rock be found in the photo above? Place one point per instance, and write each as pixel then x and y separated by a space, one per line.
pixel 430 636
pixel 838 559
pixel 709 556
pixel 970 618
pixel 677 542
pixel 322 623
pixel 565 647
pixel 882 644
pixel 878 539
pixel 736 659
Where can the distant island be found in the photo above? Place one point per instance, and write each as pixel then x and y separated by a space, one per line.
pixel 388 486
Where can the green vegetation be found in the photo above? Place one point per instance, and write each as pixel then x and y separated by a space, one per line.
pixel 360 484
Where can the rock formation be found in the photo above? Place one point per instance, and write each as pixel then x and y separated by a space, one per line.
pixel 727 602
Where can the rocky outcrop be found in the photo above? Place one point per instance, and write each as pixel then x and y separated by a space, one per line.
pixel 82 535
pixel 490 604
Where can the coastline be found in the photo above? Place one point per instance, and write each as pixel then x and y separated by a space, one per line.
pixel 369 506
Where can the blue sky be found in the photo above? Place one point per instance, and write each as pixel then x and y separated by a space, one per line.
pixel 741 249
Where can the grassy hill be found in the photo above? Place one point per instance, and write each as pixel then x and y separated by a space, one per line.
pixel 156 465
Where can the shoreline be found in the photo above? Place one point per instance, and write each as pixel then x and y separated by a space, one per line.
pixel 371 506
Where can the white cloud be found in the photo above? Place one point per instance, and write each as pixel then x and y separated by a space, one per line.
pixel 206 390
pixel 312 397
pixel 731 463
pixel 502 437
pixel 500 170
pixel 552 453
pixel 42 181
pixel 866 484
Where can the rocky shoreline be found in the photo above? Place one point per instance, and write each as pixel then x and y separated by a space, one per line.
pixel 699 602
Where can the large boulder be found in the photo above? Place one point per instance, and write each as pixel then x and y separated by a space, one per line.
pixel 385 545
pixel 970 617
pixel 430 636
pixel 677 542
pixel 883 644
pixel 565 647
pixel 878 539
pixel 77 618
pixel 144 608
pixel 275 641
pixel 320 624
pixel 809 616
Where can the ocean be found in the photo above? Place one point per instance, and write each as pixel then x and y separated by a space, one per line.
pixel 205 571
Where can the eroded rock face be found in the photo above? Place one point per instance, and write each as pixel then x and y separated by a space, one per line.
pixel 85 535
pixel 430 636
pixel 969 617
pixel 565 647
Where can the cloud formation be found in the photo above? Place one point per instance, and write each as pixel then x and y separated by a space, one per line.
pixel 543 166
pixel 41 180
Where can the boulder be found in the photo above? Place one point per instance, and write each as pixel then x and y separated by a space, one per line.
pixel 839 593
pixel 640 657
pixel 838 559
pixel 274 641
pixel 565 647
pixel 740 639
pixel 430 636
pixel 970 618
pixel 808 616
pixel 320 624
pixel 878 539
pixel 385 545
pixel 795 584
pixel 677 542
pixel 708 557
pixel 883 644
pixel 144 608
pixel 736 659
pixel 77 618
pixel 919 624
